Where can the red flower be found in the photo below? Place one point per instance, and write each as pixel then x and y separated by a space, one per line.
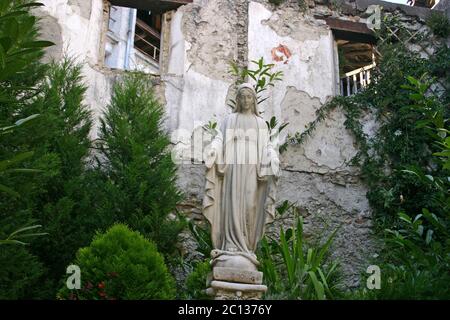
pixel 102 294
pixel 101 285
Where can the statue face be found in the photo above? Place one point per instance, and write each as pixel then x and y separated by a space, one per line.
pixel 246 99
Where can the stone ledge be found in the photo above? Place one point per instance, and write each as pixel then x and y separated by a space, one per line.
pixel 237 275
pixel 229 286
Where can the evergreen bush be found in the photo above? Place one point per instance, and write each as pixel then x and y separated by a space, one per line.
pixel 135 157
pixel 121 264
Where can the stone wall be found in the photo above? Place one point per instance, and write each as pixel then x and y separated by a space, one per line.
pixel 200 40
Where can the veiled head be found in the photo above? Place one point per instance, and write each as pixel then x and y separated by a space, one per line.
pixel 246 99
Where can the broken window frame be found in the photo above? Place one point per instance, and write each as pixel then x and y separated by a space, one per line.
pixel 355 80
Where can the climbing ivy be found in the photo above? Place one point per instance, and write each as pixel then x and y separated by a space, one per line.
pixel 398 143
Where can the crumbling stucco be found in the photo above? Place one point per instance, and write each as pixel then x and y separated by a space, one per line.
pixel 51 30
pixel 211 31
pixel 195 87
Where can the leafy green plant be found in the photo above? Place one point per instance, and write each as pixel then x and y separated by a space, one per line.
pixel 196 281
pixel 294 269
pixel 261 75
pixel 276 2
pixel 439 24
pixel 5 167
pixel 20 52
pixel 274 132
pixel 416 257
pixel 202 236
pixel 420 246
pixel 121 264
pixel 22 275
pixel 263 78
pixel 20 71
pixel 140 173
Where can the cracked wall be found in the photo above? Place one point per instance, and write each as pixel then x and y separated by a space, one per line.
pixel 195 86
pixel 316 175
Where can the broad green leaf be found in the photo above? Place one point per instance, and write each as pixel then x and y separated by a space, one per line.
pixel 11 15
pixel 31 4
pixel 38 44
pixel 318 287
pixel 24 120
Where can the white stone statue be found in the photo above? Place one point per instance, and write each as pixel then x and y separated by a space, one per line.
pixel 242 170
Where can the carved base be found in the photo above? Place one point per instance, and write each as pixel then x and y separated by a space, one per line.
pixel 236 284
pixel 222 290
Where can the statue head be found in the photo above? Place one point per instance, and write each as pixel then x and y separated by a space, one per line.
pixel 246 98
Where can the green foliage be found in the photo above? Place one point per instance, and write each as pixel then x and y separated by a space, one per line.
pixel 203 237
pixel 51 149
pixel 141 188
pixel 419 258
pixel 274 132
pixel 261 75
pixel 417 251
pixel 20 52
pixel 121 264
pixel 7 166
pixel 61 198
pixel 294 269
pixel 20 72
pixel 263 78
pixel 276 2
pixel 196 281
pixel 440 68
pixel 397 144
pixel 405 166
pixel 439 24
pixel 22 276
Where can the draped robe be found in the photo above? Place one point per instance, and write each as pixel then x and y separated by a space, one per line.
pixel 240 183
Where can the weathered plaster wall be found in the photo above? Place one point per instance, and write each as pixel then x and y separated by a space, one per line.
pixel 78 27
pixel 195 86
pixel 316 175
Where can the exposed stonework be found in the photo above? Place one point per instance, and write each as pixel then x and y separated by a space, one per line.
pixel 299 26
pixel 195 86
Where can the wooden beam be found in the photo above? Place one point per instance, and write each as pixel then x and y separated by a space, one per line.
pixel 156 6
pixel 350 30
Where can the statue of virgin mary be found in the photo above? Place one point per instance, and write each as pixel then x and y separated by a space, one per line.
pixel 242 170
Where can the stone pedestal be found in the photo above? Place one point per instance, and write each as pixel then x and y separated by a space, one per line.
pixel 236 284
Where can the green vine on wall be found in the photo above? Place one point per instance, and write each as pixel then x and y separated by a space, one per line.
pixel 397 143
